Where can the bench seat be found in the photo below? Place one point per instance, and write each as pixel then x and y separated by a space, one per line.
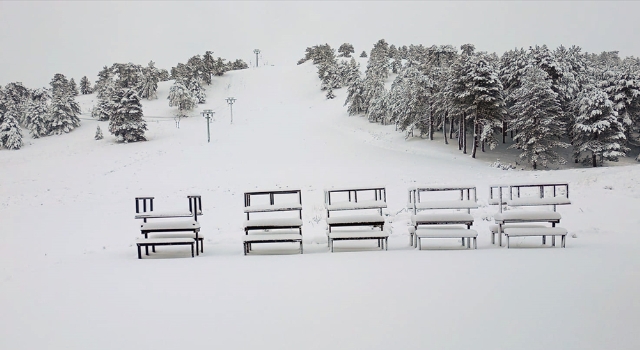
pixel 444 232
pixel 513 216
pixel 441 218
pixel 168 226
pixel 368 219
pixel 536 231
pixel 272 223
pixel 271 238
pixel 166 214
pixel 496 228
pixel 191 235
pixel 359 234
pixel 354 235
pixel 163 241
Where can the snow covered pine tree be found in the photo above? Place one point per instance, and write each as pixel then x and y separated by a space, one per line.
pixel 537 117
pixel 126 123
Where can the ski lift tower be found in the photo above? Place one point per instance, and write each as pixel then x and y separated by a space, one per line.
pixel 207 113
pixel 257 52
pixel 230 101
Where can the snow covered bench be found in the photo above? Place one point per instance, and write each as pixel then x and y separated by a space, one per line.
pixel 380 236
pixel 438 211
pixel 262 211
pixel 153 242
pixel 520 220
pixel 356 207
pixel 165 226
pixel 537 231
pixel 144 209
pixel 444 232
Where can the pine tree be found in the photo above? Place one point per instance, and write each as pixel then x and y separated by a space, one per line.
pixel 355 102
pixel 330 94
pixel 10 132
pixel 16 98
pixel 85 86
pixel 150 78
pixel 105 107
pixel 363 54
pixel 37 113
pixel 64 110
pixel 127 123
pixel 537 114
pixel 598 135
pixel 622 85
pixel 105 77
pixel 99 135
pixel 73 88
pixel 345 50
pixel 208 66
pixel 487 105
pixel 182 97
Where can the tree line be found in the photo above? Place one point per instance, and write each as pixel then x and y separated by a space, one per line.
pixel 119 88
pixel 542 99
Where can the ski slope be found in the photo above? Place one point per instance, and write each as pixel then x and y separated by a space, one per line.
pixel 70 278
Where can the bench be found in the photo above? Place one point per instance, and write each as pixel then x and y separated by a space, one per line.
pixel 156 227
pixel 445 232
pixel 153 242
pixel 537 231
pixel 145 211
pixel 523 205
pixel 437 210
pixel 262 211
pixel 356 207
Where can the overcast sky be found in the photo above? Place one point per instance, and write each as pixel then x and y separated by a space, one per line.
pixel 39 39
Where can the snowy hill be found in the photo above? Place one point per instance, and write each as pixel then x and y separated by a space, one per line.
pixel 69 267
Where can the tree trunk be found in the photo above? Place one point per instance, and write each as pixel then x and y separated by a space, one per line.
pixel 475 136
pixel 444 128
pixel 534 165
pixel 451 129
pixel 460 134
pixel 482 145
pixel 594 160
pixel 504 131
pixel 431 121
pixel 464 133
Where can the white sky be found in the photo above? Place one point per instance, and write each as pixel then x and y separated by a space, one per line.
pixel 39 39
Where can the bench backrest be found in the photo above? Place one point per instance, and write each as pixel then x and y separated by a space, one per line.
pixel 265 201
pixel 538 194
pixel 195 205
pixel 356 198
pixel 453 197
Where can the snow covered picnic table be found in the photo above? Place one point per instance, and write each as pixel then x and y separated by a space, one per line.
pixel 518 222
pixel 182 230
pixel 440 215
pixel 344 209
pixel 272 217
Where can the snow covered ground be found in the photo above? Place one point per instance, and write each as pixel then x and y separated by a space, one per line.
pixel 70 277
